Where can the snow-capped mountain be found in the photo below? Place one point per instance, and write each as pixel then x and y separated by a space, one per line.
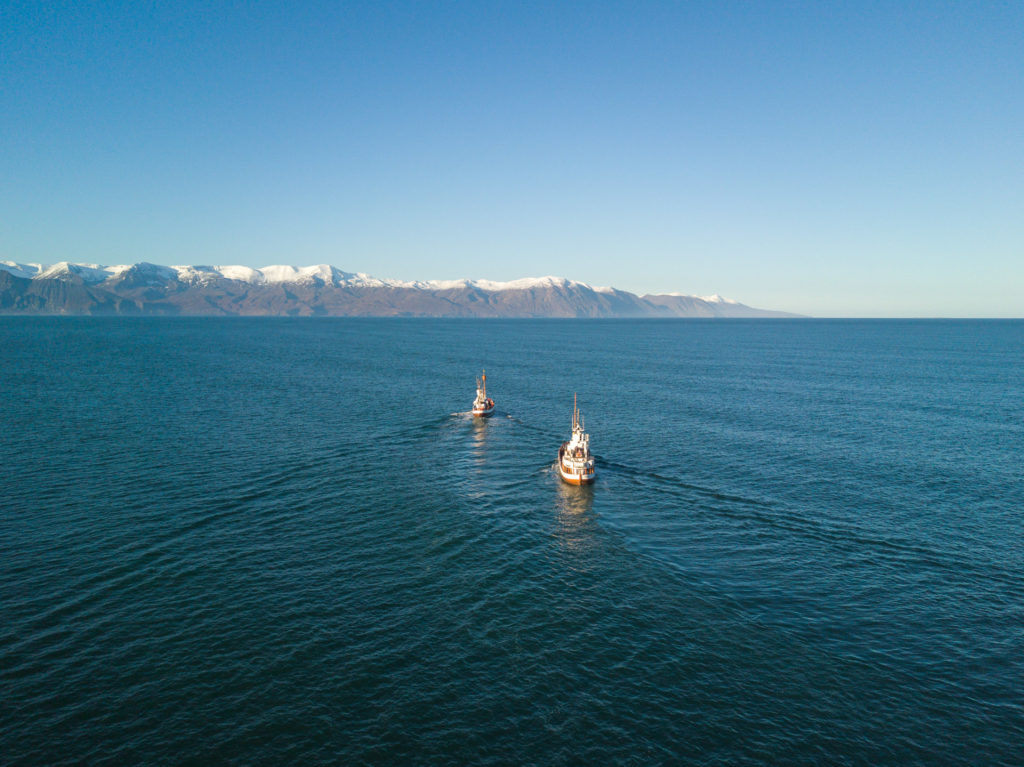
pixel 278 274
pixel 143 288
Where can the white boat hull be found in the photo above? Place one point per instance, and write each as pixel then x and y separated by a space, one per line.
pixel 577 478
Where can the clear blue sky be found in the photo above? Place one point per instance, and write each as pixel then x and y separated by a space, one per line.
pixel 837 159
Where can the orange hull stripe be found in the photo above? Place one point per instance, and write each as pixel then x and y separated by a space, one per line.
pixel 574 481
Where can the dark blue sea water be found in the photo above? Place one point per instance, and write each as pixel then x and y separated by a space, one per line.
pixel 284 541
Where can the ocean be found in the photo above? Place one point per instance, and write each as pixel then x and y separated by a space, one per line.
pixel 278 541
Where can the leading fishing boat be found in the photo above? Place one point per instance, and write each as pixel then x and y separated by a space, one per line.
pixel 575 463
pixel 482 405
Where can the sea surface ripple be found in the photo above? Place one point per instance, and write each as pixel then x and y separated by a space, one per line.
pixel 286 541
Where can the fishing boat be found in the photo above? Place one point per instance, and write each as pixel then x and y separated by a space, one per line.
pixel 482 405
pixel 575 463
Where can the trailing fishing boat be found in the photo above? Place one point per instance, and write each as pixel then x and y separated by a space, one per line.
pixel 482 405
pixel 575 463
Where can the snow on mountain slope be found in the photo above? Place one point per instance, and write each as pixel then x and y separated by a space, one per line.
pixel 714 299
pixel 91 274
pixel 279 274
pixel 527 283
pixel 325 290
pixel 25 271
pixel 284 274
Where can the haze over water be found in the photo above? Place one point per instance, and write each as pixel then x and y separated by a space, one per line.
pixel 280 541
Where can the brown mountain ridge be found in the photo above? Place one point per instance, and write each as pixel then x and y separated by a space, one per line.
pixel 150 289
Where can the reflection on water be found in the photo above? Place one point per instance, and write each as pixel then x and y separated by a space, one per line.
pixel 577 524
pixel 574 500
pixel 479 440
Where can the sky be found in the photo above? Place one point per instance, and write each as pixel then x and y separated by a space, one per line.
pixel 849 159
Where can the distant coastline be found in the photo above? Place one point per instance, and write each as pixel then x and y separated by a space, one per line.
pixel 149 289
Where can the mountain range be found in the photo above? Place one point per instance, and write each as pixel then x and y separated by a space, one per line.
pixel 322 290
